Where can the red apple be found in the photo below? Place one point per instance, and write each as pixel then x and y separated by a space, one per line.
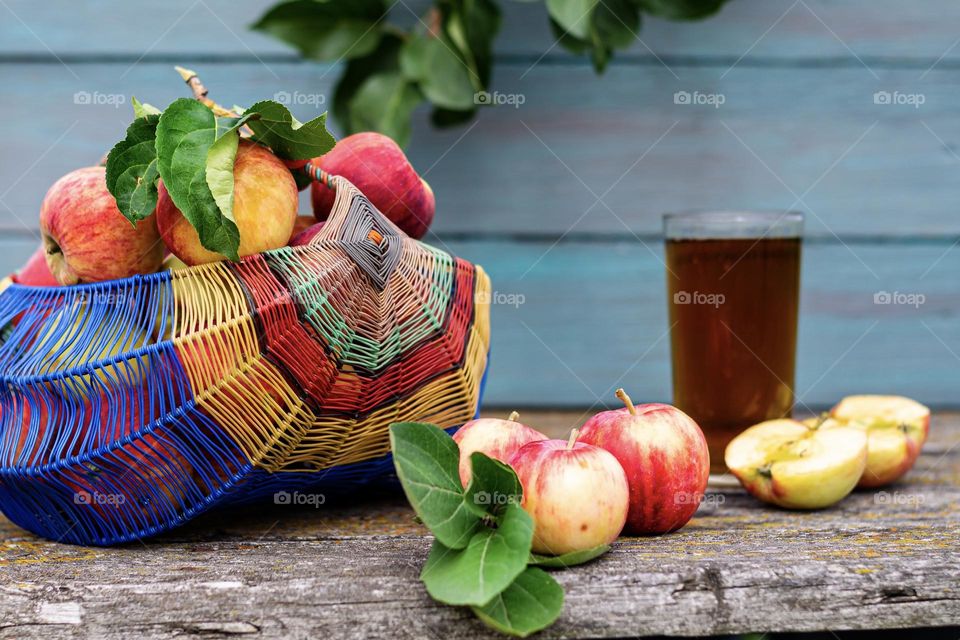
pixel 665 457
pixel 36 272
pixel 85 236
pixel 577 494
pixel 377 166
pixel 305 236
pixel 264 207
pixel 302 223
pixel 499 439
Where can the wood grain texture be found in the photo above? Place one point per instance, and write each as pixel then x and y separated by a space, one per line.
pixel 583 155
pixel 879 559
pixel 771 30
pixel 572 322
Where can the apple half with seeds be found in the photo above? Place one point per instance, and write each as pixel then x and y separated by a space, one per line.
pixel 896 429
pixel 798 466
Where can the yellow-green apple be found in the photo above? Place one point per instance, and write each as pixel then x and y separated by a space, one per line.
pixel 85 236
pixel 172 263
pixel 896 429
pixel 798 466
pixel 264 208
pixel 576 493
pixel 36 271
pixel 377 166
pixel 308 234
pixel 498 439
pixel 665 457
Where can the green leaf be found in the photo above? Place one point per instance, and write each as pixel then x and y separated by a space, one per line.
pixel 681 9
pixel 449 118
pixel 472 26
pixel 142 110
pixel 572 15
pixel 615 24
pixel 185 132
pixel 132 169
pixel 386 57
pixel 326 30
pixel 493 486
pixel 492 560
pixel 532 602
pixel 427 460
pixel 274 126
pixel 443 76
pixel 385 103
pixel 220 161
pixel 571 559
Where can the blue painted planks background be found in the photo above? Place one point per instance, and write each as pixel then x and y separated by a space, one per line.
pixel 560 198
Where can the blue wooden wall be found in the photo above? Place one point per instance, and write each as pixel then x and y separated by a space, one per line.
pixel 560 198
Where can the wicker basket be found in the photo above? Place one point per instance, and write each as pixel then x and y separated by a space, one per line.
pixel 129 407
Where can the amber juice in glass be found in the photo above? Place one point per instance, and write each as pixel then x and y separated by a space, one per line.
pixel 733 281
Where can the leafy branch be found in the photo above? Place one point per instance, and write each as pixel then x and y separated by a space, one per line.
pixel 446 58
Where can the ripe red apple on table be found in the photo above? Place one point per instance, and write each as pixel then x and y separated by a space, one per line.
pixel 498 439
pixel 264 207
pixel 377 166
pixel 85 236
pixel 896 429
pixel 665 457
pixel 577 494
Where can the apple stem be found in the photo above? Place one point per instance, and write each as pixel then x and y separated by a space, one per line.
pixel 200 93
pixel 627 401
pixel 573 439
pixel 513 416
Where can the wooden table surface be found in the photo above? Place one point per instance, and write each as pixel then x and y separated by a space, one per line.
pixel 880 559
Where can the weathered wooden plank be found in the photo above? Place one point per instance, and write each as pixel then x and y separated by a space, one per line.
pixel 765 29
pixel 879 559
pixel 857 167
pixel 572 322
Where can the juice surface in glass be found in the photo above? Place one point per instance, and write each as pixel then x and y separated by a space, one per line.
pixel 733 282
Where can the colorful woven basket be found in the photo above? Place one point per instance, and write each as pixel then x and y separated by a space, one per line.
pixel 129 407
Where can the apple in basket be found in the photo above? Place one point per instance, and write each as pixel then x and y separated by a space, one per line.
pixel 665 457
pixel 264 207
pixel 498 439
pixel 798 466
pixel 576 493
pixel 896 429
pixel 85 236
pixel 36 272
pixel 307 235
pixel 377 166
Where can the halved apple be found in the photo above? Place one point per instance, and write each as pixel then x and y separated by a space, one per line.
pixel 797 466
pixel 896 429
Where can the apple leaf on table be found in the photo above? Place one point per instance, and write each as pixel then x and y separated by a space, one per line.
pixel 531 603
pixel 492 560
pixel 493 486
pixel 427 459
pixel 274 126
pixel 571 559
pixel 186 131
pixel 132 169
